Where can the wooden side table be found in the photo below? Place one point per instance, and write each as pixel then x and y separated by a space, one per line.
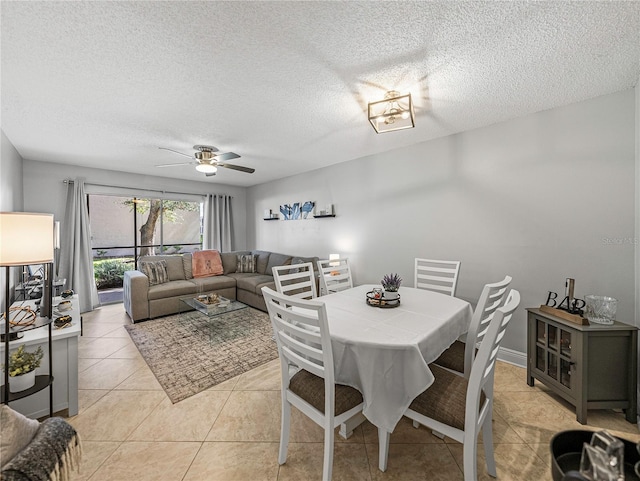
pixel 592 367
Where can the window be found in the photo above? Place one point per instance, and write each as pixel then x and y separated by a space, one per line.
pixel 120 234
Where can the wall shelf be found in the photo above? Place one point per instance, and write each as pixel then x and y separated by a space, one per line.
pixel 323 215
pixel 272 218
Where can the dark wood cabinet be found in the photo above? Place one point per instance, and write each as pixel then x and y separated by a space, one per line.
pixel 592 367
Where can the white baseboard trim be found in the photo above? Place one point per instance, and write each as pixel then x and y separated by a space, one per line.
pixel 516 358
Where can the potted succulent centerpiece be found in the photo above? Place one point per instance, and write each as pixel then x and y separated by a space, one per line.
pixel 391 284
pixel 22 368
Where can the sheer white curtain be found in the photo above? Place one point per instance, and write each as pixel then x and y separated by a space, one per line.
pixel 76 261
pixel 218 228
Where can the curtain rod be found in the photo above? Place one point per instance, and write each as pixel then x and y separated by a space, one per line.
pixel 71 181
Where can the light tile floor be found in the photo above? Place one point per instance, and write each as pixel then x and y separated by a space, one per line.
pixel 131 431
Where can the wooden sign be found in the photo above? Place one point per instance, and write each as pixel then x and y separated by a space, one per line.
pixel 567 316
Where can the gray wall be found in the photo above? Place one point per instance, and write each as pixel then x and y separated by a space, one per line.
pixel 10 199
pixel 45 190
pixel 541 198
pixel 10 176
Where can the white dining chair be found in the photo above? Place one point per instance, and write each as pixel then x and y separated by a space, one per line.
pixel 462 408
pixel 308 380
pixel 335 275
pixel 436 275
pixel 459 356
pixel 296 280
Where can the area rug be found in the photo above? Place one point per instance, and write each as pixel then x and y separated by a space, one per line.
pixel 185 362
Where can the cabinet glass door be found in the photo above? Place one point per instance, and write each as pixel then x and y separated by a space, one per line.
pixel 565 373
pixel 565 343
pixel 552 366
pixel 553 337
pixel 540 334
pixel 540 355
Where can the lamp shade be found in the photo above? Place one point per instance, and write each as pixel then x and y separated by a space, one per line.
pixel 25 238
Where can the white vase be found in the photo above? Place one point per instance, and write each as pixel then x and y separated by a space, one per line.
pixel 391 295
pixel 22 382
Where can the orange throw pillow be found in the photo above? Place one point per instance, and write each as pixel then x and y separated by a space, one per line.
pixel 206 263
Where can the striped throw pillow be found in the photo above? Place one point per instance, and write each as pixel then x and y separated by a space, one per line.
pixel 156 272
pixel 247 263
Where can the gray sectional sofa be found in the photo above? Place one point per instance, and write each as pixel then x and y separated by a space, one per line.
pixel 142 301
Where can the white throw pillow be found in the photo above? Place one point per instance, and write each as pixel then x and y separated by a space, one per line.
pixel 16 431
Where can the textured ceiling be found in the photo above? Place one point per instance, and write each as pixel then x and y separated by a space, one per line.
pixel 286 84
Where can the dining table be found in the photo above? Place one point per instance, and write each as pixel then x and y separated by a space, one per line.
pixel 385 352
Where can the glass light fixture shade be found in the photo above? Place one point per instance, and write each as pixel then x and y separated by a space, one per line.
pixel 206 168
pixel 394 112
pixel 26 238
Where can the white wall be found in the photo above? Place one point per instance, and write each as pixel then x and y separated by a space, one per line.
pixel 10 199
pixel 45 190
pixel 10 176
pixel 541 198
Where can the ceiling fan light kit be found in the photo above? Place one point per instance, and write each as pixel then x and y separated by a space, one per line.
pixel 206 168
pixel 394 112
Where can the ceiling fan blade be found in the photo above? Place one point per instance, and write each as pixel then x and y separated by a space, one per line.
pixel 171 150
pixel 226 156
pixel 248 170
pixel 174 165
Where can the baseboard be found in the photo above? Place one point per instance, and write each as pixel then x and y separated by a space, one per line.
pixel 516 358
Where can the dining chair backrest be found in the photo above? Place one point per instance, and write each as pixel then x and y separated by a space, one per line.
pixel 302 334
pixel 301 330
pixel 462 408
pixel 491 298
pixel 480 387
pixel 436 275
pixel 296 280
pixel 335 275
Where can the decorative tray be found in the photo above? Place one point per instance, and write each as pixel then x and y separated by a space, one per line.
pixel 382 302
pixel 212 301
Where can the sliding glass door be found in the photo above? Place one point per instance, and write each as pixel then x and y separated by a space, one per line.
pixel 125 228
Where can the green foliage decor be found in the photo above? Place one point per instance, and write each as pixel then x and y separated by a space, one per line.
pixel 110 272
pixel 22 361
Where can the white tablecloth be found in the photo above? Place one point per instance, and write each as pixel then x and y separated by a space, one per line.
pixel 384 352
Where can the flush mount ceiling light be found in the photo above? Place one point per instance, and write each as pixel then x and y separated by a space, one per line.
pixel 206 168
pixel 395 112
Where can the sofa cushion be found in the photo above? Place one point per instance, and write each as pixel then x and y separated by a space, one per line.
pixel 186 265
pixel 17 433
pixel 171 289
pixel 277 260
pixel 207 284
pixel 304 260
pixel 156 271
pixel 247 263
pixel 252 282
pixel 230 259
pixel 263 260
pixel 175 267
pixel 206 263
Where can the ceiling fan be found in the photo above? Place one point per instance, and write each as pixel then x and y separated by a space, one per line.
pixel 207 159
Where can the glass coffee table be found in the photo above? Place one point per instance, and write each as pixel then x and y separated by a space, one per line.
pixel 210 311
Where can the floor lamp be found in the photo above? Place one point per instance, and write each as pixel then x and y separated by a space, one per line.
pixel 25 238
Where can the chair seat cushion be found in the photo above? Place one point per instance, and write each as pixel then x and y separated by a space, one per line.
pixel 453 357
pixel 311 388
pixel 445 399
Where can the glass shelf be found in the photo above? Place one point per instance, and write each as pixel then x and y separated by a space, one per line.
pixel 42 382
pixel 39 322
